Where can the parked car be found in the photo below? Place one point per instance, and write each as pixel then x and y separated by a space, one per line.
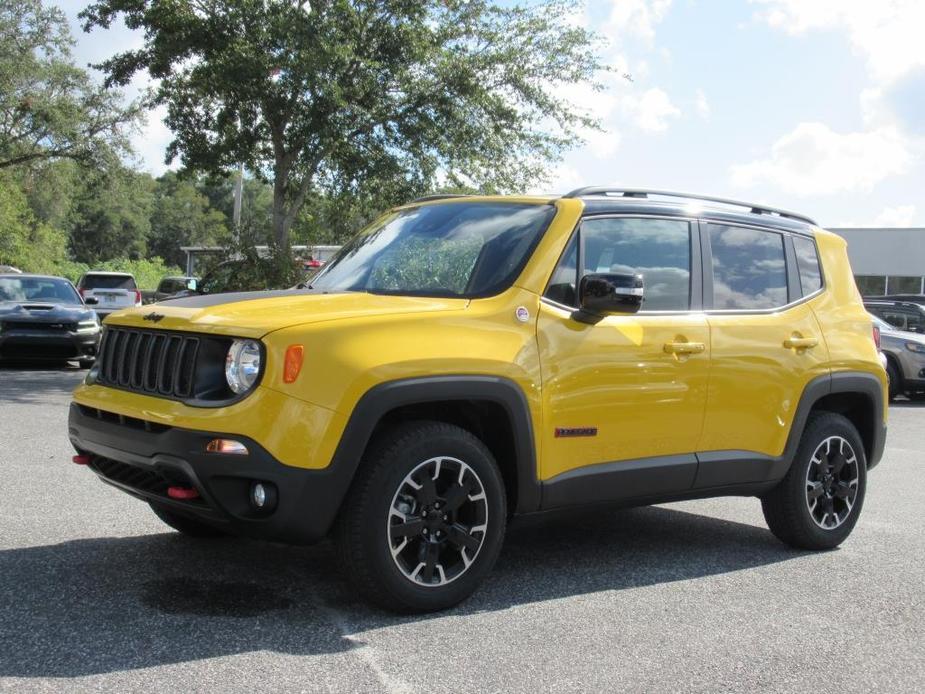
pixel 466 359
pixel 911 298
pixel 902 315
pixel 112 290
pixel 905 355
pixel 44 318
pixel 172 286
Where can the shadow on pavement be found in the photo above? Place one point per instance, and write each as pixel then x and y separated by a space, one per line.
pixel 108 604
pixel 36 382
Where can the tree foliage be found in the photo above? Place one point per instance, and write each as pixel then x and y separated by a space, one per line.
pixel 360 97
pixel 50 108
pixel 182 216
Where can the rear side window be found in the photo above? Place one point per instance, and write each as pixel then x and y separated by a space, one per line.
pixel 749 268
pixel 808 264
pixel 108 282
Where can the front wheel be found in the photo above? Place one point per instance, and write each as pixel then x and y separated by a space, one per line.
pixel 424 521
pixel 817 504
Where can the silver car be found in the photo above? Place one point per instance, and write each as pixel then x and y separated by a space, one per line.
pixel 905 356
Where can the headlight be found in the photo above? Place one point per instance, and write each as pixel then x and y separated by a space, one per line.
pixel 242 365
pixel 88 326
pixel 915 347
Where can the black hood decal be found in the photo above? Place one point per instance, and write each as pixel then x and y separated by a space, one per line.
pixel 44 312
pixel 209 300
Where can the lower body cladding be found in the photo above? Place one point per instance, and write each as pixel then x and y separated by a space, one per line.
pixel 48 345
pixel 170 467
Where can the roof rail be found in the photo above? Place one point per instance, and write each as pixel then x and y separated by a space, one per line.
pixel 439 196
pixel 645 193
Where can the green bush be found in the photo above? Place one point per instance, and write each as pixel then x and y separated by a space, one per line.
pixel 148 273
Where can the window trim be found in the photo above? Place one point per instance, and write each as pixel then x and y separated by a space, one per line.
pixel 793 299
pixel 696 279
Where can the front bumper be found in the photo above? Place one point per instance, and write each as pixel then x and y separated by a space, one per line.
pixel 144 458
pixel 50 345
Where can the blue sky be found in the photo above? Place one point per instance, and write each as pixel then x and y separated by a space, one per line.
pixel 814 105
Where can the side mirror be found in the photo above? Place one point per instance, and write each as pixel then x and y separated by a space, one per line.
pixel 191 285
pixel 610 293
pixel 91 301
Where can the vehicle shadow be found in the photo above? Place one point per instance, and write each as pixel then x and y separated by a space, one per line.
pixel 918 402
pixel 109 604
pixel 31 382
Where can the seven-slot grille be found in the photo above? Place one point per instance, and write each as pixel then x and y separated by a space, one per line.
pixel 148 361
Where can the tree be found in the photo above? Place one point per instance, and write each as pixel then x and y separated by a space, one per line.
pixel 347 95
pixel 49 108
pixel 182 217
pixel 26 242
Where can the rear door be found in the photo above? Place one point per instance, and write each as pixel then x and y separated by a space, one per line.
pixel 766 345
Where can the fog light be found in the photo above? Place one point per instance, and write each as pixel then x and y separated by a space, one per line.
pixel 263 496
pixel 226 446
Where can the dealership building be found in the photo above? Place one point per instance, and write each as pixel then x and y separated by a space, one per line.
pixel 887 260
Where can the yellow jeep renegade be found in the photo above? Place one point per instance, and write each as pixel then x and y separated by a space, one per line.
pixel 467 359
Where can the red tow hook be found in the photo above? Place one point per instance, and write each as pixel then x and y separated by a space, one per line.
pixel 81 459
pixel 182 493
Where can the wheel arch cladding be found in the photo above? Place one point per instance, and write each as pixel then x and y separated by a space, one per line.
pixel 493 408
pixel 854 394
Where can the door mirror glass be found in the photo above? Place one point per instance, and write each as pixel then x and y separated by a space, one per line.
pixel 601 293
pixel 191 284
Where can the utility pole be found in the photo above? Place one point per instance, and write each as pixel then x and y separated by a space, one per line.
pixel 236 212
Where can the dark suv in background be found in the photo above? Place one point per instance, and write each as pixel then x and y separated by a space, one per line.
pixel 902 315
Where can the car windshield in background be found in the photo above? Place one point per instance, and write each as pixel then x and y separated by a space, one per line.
pixel 456 249
pixel 108 282
pixel 46 290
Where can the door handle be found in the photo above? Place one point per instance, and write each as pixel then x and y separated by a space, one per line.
pixel 684 347
pixel 800 342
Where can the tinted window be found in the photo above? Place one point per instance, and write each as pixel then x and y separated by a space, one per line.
pixel 37 289
pixel 457 249
pixel 900 318
pixel 107 282
pixel 808 263
pixel 564 281
pixel 904 285
pixel 749 268
pixel 657 249
pixel 871 285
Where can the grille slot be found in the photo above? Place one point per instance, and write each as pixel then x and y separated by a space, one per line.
pixel 149 361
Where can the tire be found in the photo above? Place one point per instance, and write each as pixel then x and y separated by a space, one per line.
pixel 387 531
pixel 86 363
pixel 895 379
pixel 185 524
pixel 791 515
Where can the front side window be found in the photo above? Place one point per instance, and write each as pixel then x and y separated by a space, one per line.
pixel 808 264
pixel 455 249
pixel 657 249
pixel 749 268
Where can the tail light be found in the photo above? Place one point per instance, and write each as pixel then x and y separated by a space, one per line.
pixel 137 298
pixel 877 337
pixel 83 292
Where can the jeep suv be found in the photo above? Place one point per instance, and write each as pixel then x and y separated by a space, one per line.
pixel 478 358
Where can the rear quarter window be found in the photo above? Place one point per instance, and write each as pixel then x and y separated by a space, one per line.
pixel 808 264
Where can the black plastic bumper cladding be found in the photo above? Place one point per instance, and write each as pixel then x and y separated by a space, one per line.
pixel 144 460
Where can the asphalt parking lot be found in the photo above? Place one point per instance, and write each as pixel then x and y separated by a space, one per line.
pixel 98 595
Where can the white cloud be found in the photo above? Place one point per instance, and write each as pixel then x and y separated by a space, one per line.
pixel 815 160
pixel 899 216
pixel 652 111
pixel 701 104
pixel 887 33
pixel 560 180
pixel 637 17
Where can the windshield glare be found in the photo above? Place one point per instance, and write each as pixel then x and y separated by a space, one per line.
pixel 37 289
pixel 455 249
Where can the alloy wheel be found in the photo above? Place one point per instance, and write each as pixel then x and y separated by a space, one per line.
pixel 832 482
pixel 437 521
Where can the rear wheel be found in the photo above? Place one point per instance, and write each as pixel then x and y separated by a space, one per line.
pixel 424 521
pixel 817 504
pixel 894 378
pixel 185 524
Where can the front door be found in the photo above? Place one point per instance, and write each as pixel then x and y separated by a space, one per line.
pixel 625 394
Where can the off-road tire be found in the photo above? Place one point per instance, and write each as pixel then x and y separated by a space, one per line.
pixel 362 532
pixel 786 507
pixel 185 524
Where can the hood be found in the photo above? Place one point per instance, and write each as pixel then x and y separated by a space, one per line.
pixel 254 314
pixel 40 312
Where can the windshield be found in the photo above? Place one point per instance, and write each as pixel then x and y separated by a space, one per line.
pixel 456 249
pixel 38 289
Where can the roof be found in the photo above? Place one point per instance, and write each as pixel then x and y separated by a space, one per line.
pixel 108 272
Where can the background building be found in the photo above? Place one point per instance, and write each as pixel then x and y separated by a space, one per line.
pixel 887 260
